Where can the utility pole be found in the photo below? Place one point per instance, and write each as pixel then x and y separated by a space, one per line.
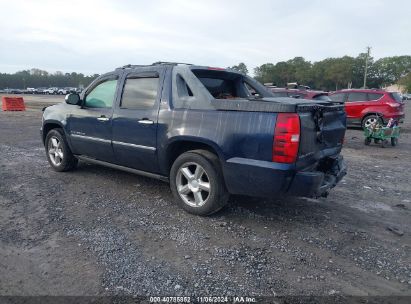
pixel 366 67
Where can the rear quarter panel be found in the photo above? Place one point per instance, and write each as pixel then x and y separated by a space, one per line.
pixel 242 140
pixel 229 133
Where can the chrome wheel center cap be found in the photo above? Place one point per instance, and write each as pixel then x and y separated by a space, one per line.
pixel 193 185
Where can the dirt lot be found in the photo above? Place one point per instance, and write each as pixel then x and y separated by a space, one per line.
pixel 100 231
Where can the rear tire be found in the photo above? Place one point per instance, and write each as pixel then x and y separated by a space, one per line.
pixel 394 141
pixel 197 183
pixel 367 141
pixel 370 119
pixel 58 151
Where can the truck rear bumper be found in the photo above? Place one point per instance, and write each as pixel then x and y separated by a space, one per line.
pixel 318 183
pixel 267 179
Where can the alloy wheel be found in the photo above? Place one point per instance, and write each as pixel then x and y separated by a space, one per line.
pixel 369 121
pixel 55 151
pixel 193 184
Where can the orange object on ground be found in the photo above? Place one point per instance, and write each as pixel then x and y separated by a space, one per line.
pixel 13 104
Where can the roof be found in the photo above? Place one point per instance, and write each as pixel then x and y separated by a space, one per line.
pixel 166 63
pixel 131 66
pixel 361 90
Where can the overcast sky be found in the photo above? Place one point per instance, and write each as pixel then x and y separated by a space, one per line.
pixel 97 36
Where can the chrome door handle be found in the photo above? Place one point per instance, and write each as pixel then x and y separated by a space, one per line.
pixel 146 121
pixel 103 118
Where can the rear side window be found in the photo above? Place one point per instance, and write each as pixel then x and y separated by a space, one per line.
pixel 140 93
pixel 374 96
pixel 102 95
pixel 357 97
pixel 183 89
pixel 337 97
pixel 396 96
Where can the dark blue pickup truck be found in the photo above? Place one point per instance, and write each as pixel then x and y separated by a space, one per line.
pixel 209 132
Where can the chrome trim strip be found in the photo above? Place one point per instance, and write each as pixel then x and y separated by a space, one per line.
pixel 91 138
pixel 133 145
pixel 146 122
pixel 118 167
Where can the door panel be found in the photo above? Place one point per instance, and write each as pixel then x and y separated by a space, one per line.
pixel 135 122
pixel 355 104
pixel 91 125
pixel 90 133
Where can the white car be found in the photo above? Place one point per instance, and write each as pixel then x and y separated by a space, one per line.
pixel 63 91
pixel 50 91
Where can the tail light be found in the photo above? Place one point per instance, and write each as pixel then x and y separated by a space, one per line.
pixel 286 138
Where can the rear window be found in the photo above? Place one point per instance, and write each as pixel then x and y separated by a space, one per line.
pixel 322 97
pixel 220 88
pixel 229 85
pixel 280 94
pixel 374 96
pixel 396 96
pixel 295 95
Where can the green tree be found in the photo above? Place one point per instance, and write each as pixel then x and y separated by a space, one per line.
pixel 406 82
pixel 264 73
pixel 241 67
pixel 339 71
pixel 39 78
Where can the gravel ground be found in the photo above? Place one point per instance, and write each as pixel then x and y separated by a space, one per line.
pixel 98 231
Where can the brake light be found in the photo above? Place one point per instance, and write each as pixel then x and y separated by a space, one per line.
pixel 286 138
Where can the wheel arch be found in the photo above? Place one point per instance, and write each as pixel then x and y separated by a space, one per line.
pixel 50 125
pixel 178 146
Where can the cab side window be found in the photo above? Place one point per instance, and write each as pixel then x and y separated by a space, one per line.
pixel 140 93
pixel 102 96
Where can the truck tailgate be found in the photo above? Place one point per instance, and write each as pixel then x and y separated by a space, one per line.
pixel 322 132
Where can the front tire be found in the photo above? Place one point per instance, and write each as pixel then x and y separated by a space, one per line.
pixel 58 152
pixel 197 183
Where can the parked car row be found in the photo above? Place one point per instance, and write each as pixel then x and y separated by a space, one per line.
pixel 363 106
pixel 43 90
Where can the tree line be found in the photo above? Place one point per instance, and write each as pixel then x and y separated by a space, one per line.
pixel 328 74
pixel 36 78
pixel 336 73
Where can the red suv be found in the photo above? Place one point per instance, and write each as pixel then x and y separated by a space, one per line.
pixel 365 107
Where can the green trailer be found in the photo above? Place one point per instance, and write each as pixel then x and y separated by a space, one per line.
pixel 381 135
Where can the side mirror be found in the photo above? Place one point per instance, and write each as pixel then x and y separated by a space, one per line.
pixel 73 99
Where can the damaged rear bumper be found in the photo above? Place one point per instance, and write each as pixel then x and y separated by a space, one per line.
pixel 318 183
